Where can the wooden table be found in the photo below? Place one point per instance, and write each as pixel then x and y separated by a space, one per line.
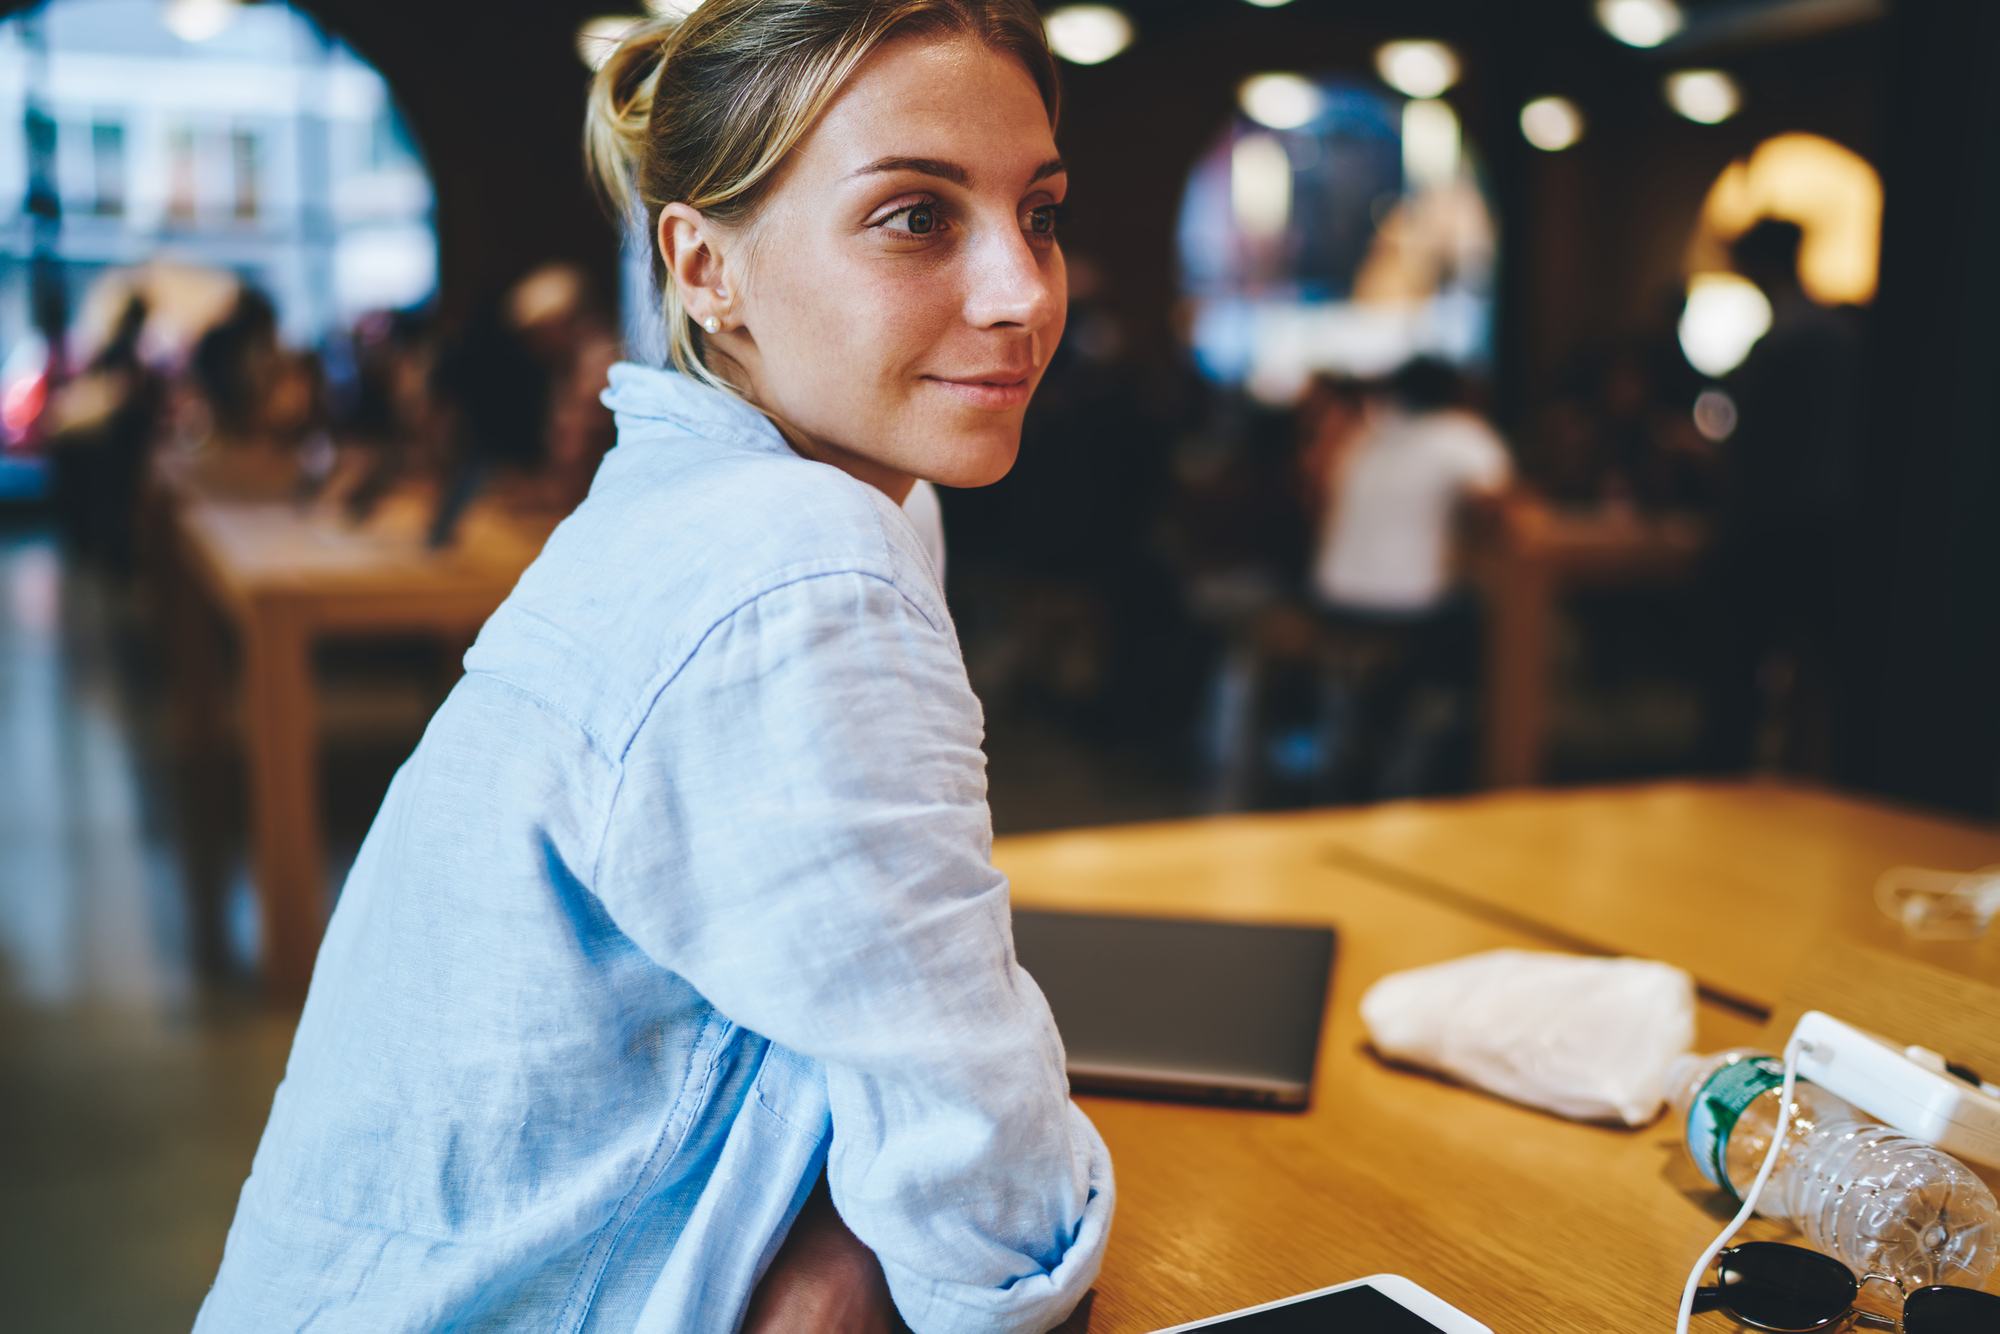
pixel 1732 881
pixel 1523 1220
pixel 1533 554
pixel 284 579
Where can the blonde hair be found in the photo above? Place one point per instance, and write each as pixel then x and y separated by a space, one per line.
pixel 702 110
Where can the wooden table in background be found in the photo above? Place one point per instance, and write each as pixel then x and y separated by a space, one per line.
pixel 285 579
pixel 1525 1221
pixel 1531 556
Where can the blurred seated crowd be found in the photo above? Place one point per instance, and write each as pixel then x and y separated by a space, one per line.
pixel 189 376
pixel 1279 598
pixel 1298 583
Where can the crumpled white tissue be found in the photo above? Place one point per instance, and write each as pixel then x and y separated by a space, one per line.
pixel 1585 1038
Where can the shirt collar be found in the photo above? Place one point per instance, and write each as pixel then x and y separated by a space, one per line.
pixel 648 393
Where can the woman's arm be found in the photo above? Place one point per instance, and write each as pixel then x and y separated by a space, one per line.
pixel 801 832
pixel 823 1281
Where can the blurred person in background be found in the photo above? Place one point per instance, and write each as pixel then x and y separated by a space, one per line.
pixel 390 408
pixel 1619 432
pixel 570 336
pixel 100 427
pixel 1333 416
pixel 673 987
pixel 522 384
pixel 1402 630
pixel 495 391
pixel 235 365
pixel 1778 563
pixel 388 356
pixel 1650 454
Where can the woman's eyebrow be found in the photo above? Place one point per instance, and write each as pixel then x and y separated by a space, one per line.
pixel 923 166
pixel 949 171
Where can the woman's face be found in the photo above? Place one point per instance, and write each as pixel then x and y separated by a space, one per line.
pixel 895 302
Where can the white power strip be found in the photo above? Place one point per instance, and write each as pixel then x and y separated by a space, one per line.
pixel 1910 1088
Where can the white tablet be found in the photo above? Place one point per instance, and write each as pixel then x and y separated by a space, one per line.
pixel 1384 1304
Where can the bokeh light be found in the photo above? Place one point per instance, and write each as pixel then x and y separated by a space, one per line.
pixel 1088 34
pixel 1551 123
pixel 1279 101
pixel 1260 186
pixel 1640 23
pixel 1715 415
pixel 1417 69
pixel 1724 317
pixel 1430 144
pixel 1830 191
pixel 1705 96
pixel 198 20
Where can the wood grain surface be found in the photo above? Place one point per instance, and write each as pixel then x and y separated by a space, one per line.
pixel 1733 881
pixel 1523 1220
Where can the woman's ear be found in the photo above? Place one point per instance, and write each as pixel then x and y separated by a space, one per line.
pixel 694 261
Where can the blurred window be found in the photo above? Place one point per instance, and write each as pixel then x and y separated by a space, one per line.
pixel 390 147
pixel 1334 226
pixel 241 137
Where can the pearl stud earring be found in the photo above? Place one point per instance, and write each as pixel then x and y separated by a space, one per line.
pixel 712 324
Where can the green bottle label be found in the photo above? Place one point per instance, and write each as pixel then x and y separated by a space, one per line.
pixel 1717 1108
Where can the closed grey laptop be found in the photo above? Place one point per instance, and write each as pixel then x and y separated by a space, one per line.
pixel 1169 1007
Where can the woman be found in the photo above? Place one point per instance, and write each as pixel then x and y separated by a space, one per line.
pixel 684 901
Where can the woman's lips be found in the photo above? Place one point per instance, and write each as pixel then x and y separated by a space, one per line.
pixel 993 393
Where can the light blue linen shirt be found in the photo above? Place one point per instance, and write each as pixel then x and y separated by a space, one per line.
pixel 685 894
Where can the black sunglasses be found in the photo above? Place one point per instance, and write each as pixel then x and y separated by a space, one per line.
pixel 1768 1285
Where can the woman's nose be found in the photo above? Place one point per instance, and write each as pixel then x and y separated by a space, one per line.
pixel 1012 283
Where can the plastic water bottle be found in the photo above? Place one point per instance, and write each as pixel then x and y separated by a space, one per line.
pixel 1868 1195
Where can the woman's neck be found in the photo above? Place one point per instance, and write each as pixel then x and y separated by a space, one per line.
pixel 891 483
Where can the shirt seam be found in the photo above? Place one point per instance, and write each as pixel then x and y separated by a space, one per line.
pixel 654 695
pixel 589 1281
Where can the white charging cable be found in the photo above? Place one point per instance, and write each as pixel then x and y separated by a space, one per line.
pixel 1792 1050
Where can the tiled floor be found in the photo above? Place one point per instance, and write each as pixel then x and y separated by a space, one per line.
pixel 136 1065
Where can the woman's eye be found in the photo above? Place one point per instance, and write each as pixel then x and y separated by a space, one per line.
pixel 918 220
pixel 1042 221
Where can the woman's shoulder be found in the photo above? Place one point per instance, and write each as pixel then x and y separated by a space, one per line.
pixel 680 531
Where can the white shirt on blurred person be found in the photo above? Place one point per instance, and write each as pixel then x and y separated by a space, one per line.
pixel 1388 544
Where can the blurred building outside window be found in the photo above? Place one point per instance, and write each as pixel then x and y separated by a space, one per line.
pixel 1334 226
pixel 243 169
pixel 107 153
pixel 181 169
pixel 249 143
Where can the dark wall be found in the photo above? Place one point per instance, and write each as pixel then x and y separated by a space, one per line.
pixel 1592 238
pixel 1925 700
pixel 1133 127
pixel 1602 229
pixel 494 92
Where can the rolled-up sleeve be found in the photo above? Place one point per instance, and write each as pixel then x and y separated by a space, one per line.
pixel 801 832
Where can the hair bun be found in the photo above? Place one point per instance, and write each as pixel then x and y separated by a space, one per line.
pixel 621 107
